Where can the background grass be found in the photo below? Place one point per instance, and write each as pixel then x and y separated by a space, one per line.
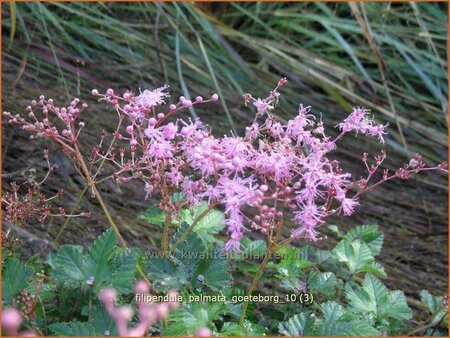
pixel 388 57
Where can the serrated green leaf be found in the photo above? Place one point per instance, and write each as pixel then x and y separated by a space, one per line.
pixel 368 234
pixel 190 247
pixel 374 268
pixel 293 263
pixel 250 249
pixel 247 329
pixel 121 274
pixel 153 215
pixel 104 265
pixel 372 296
pixel 333 329
pixel 14 278
pixel 335 229
pixel 356 255
pixel 331 310
pixel 433 303
pixel 187 320
pixel 103 247
pixel 397 307
pixel 71 267
pixel 210 224
pixel 306 253
pixel 212 272
pixel 73 329
pixel 322 282
pixel 190 264
pixel 299 325
pixel 362 328
pixel 377 291
pixel 253 247
pixel 103 322
pixel 165 274
pixel 322 256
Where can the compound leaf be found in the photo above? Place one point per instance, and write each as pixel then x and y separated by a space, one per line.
pixel 103 247
pixel 322 282
pixel 73 329
pixel 14 278
pixel 71 267
pixel 368 234
pixel 356 255
pixel 299 325
pixel 331 310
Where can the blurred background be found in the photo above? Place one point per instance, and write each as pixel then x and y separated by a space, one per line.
pixel 388 57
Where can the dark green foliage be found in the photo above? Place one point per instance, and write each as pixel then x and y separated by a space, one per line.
pixel 104 265
pixel 364 308
pixel 15 277
pixel 320 292
pixel 192 265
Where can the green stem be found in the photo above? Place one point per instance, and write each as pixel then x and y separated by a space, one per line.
pixel 165 237
pixel 99 198
pixel 430 320
pixel 191 227
pixel 254 283
pixel 272 247
pixel 63 227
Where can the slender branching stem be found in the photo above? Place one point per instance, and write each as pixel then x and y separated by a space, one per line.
pixel 191 227
pixel 272 247
pixel 254 283
pixel 430 322
pixel 165 237
pixel 75 206
pixel 91 182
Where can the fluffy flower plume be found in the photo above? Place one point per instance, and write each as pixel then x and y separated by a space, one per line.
pixel 359 122
pixel 275 171
pixel 151 98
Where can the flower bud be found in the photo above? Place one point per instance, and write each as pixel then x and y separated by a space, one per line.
pixel 186 103
pixel 282 82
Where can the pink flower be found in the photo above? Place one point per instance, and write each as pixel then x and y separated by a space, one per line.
pixel 148 189
pixel 358 122
pixel 252 132
pixel 262 106
pixel 288 161
pixel 175 176
pixel 348 204
pixel 170 131
pixel 151 98
pixel 160 149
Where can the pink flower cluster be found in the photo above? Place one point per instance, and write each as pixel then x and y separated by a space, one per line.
pixel 359 122
pixel 273 170
pixel 149 314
